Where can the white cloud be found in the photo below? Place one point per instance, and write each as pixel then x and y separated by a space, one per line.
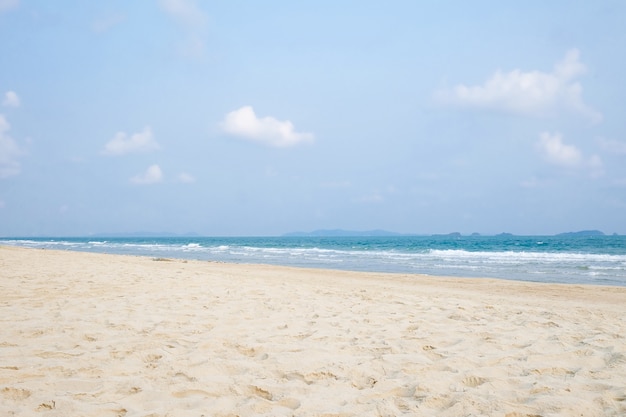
pixel 556 152
pixel 186 178
pixel 9 151
pixel 152 175
pixel 244 123
pixel 193 20
pixel 612 146
pixel 2 204
pixel 532 93
pixel 139 142
pixel 6 5
pixel 185 11
pixel 11 99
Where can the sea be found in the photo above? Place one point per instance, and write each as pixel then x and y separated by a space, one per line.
pixel 568 259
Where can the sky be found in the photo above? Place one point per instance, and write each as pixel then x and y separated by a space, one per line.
pixel 248 118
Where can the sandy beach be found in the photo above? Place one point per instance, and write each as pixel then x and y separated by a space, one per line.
pixel 85 334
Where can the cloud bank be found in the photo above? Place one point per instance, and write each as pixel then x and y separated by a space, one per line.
pixel 532 93
pixel 244 123
pixel 11 99
pixel 152 175
pixel 122 143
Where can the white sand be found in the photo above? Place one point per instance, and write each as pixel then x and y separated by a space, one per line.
pixel 101 335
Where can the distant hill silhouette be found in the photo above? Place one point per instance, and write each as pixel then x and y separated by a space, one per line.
pixel 583 233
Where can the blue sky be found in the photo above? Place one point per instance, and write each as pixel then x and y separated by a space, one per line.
pixel 260 118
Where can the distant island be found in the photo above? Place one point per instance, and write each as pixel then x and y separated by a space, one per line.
pixel 583 233
pixel 453 234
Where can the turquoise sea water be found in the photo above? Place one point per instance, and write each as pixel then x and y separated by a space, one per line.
pixel 557 259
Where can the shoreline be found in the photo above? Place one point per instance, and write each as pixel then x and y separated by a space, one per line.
pixel 567 276
pixel 322 269
pixel 97 334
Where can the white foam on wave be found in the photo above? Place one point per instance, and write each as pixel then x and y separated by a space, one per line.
pixel 192 247
pixel 511 256
pixel 554 266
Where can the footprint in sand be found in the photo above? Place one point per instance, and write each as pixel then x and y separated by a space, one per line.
pixel 473 381
pixel 183 376
pixel 311 377
pixel 291 403
pixel 193 393
pixel 364 382
pixel 432 353
pixel 15 394
pixel 47 406
pixel 554 372
pixel 615 359
pixel 318 376
pixel 260 392
pixel 151 360
pixel 437 402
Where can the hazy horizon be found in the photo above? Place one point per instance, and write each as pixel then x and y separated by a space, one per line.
pixel 311 233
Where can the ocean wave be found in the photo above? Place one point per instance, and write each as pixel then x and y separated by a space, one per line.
pixel 522 256
pixel 544 264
